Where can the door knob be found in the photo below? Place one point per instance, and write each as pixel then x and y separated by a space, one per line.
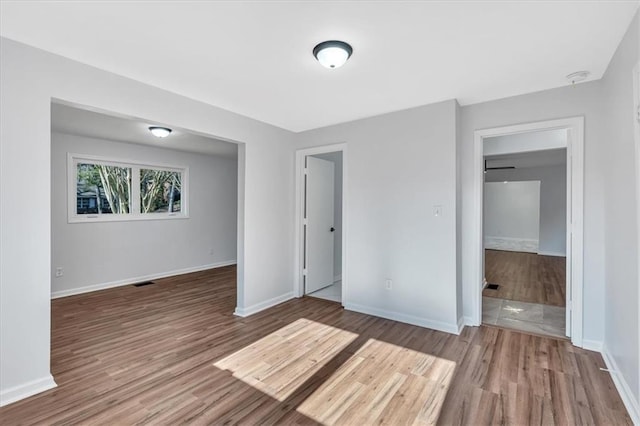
pixel 332 229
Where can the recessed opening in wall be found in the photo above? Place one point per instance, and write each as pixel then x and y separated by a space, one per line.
pixel 528 186
pixel 320 231
pixel 525 232
pixel 112 181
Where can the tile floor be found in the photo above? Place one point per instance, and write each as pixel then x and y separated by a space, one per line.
pixel 532 317
pixel 332 292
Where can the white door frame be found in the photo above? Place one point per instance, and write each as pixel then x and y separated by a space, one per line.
pixel 575 212
pixel 301 154
pixel 636 121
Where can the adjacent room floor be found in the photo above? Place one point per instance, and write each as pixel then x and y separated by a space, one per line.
pixel 332 292
pixel 531 292
pixel 173 352
pixel 526 277
pixel 523 316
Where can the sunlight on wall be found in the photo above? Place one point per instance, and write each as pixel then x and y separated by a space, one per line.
pixel 282 361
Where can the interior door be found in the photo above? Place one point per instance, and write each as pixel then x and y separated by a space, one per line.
pixel 319 224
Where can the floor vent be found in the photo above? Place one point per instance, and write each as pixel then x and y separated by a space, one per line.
pixel 143 283
pixel 492 286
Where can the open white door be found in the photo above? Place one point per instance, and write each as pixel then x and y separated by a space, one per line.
pixel 319 224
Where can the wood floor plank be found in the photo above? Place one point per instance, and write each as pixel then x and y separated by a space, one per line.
pixel 526 277
pixel 173 352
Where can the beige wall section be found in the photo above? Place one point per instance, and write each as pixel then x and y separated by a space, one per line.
pixel 29 79
pixel 621 223
pixel 579 100
pixel 400 165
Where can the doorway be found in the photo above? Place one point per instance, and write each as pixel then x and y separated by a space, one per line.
pixel 574 128
pixel 525 234
pixel 320 231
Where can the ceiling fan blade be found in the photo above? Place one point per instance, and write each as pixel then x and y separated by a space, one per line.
pixel 497 168
pixel 500 168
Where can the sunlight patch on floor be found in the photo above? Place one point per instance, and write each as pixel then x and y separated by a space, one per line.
pixel 382 383
pixel 279 363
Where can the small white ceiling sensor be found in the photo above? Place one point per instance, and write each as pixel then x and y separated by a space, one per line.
pixel 578 76
pixel 160 132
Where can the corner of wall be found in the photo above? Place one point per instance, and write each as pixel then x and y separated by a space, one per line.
pixel 626 394
pixel 14 394
pixel 254 309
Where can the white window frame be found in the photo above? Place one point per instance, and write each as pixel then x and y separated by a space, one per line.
pixel 72 178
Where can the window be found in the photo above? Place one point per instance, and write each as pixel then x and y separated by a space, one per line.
pixel 102 189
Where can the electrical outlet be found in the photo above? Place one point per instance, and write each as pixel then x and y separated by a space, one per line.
pixel 388 284
pixel 59 272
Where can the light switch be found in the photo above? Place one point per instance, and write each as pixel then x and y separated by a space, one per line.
pixel 437 211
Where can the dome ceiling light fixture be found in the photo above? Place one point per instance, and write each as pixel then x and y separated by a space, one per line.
pixel 333 53
pixel 578 76
pixel 160 132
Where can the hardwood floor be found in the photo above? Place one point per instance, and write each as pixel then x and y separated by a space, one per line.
pixel 173 352
pixel 526 277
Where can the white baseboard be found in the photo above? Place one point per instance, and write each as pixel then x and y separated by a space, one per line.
pixel 409 319
pixel 592 345
pixel 129 281
pixel 337 278
pixel 26 390
pixel 511 244
pixel 552 253
pixel 468 321
pixel 253 309
pixel 461 325
pixel 630 403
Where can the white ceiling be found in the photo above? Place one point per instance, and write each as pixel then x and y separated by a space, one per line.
pixel 75 121
pixel 254 58
pixel 551 157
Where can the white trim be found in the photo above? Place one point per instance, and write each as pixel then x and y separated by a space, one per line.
pixel 254 309
pixel 511 244
pixel 630 403
pixel 298 288
pixel 592 345
pixel 337 278
pixel 461 325
pixel 17 393
pixel 467 320
pixel 129 281
pixel 409 319
pixel 575 211
pixel 636 121
pixel 552 253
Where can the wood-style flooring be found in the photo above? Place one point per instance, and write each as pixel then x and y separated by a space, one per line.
pixel 526 277
pixel 173 353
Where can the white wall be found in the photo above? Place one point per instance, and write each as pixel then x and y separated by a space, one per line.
pixel 336 159
pixel 29 79
pixel 525 142
pixel 400 166
pixel 553 203
pixel 512 213
pixel 579 100
pixel 126 252
pixel 621 243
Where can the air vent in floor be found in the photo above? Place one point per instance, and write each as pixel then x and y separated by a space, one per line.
pixel 492 286
pixel 143 283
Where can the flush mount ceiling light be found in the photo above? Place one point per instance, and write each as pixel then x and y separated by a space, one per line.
pixel 333 53
pixel 578 76
pixel 160 132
